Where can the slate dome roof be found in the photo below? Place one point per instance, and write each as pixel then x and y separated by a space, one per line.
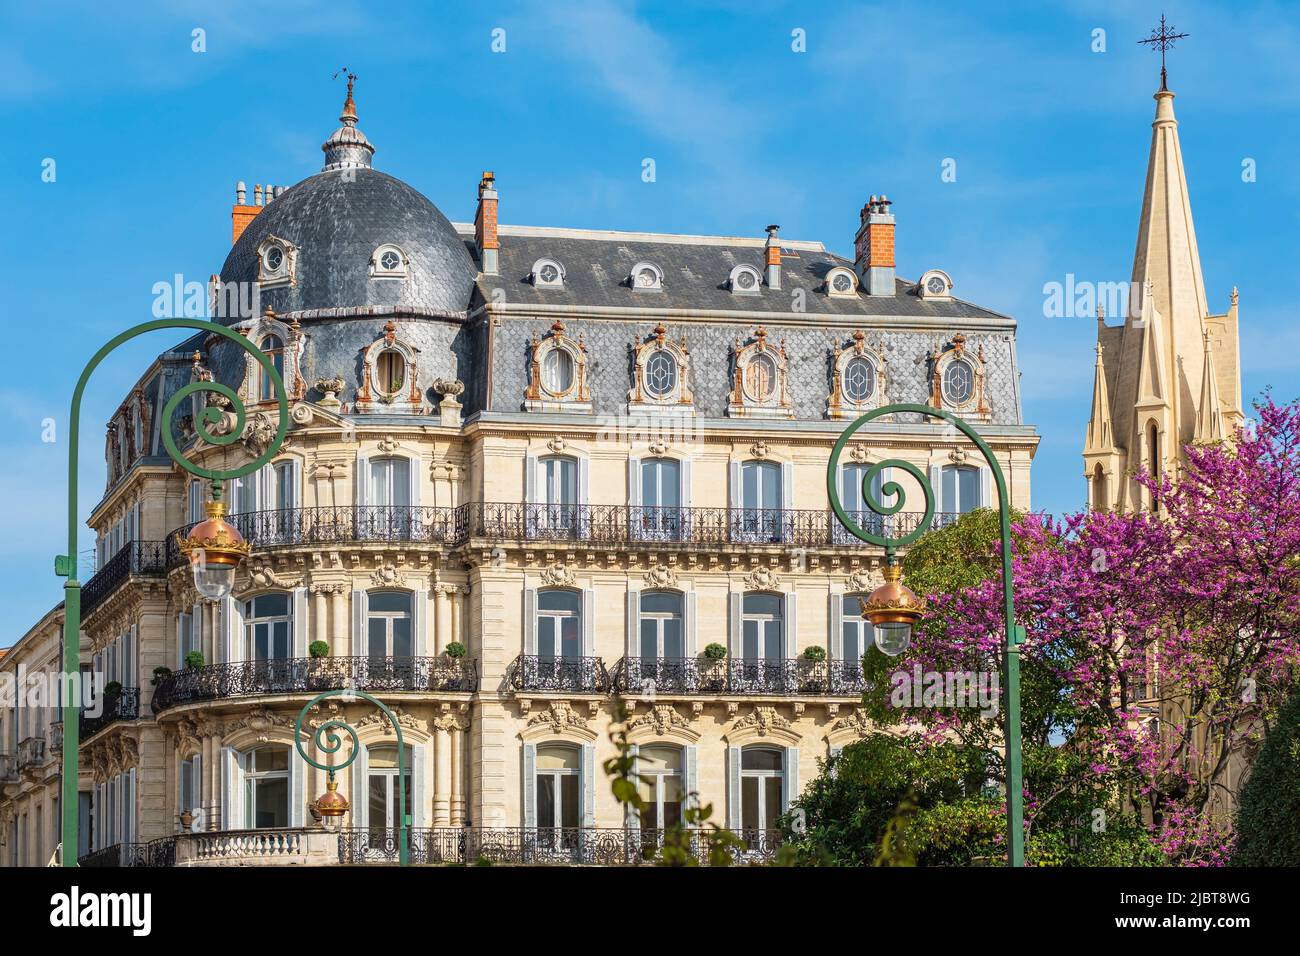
pixel 336 220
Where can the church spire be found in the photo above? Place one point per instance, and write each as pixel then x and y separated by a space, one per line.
pixel 1209 414
pixel 1100 437
pixel 347 147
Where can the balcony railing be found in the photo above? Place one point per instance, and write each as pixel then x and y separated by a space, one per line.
pixel 133 558
pixel 516 521
pixel 31 752
pixel 782 678
pixel 570 846
pixel 122 705
pixel 154 853
pixel 578 675
pixel 302 675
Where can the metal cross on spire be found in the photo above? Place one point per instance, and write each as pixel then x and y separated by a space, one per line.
pixel 1163 39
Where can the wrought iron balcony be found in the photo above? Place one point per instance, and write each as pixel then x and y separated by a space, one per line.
pixel 31 752
pixel 122 705
pixel 781 678
pixel 154 853
pixel 135 558
pixel 577 675
pixel 303 675
pixel 569 846
pixel 517 521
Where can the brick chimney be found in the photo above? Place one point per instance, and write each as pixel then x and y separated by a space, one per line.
pixel 242 213
pixel 485 224
pixel 873 249
pixel 773 251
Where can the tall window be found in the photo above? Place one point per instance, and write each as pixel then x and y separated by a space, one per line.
pixel 266 627
pixel 1100 492
pixel 855 503
pixel 390 482
pixel 761 772
pixel 961 488
pixel 391 369
pixel 557 371
pixel 559 780
pixel 661 490
pixel 857 634
pixel 761 630
pixel 558 493
pixel 266 787
pixel 1153 460
pixel 382 797
pixel 274 349
pixel 660 770
pixel 760 490
pixel 389 624
pixel 190 784
pixel 661 629
pixel 559 624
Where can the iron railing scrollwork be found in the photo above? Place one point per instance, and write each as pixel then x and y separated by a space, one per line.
pixel 161 852
pixel 739 677
pixel 133 558
pixel 579 675
pixel 123 704
pixel 301 675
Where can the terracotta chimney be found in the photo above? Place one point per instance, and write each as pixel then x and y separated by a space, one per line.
pixel 241 214
pixel 874 247
pixel 485 224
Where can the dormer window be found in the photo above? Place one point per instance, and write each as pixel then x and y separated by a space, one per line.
pixel 275 262
pixel 547 274
pixel 646 277
pixel 745 280
pixel 389 262
pixel 935 284
pixel 841 283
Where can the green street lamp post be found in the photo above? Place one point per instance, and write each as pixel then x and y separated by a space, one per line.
pixel 332 804
pixel 214 572
pixel 898 608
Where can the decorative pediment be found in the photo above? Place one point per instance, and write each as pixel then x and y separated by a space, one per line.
pixel 957 379
pixel 559 717
pixel 858 377
pixel 377 718
pixel 661 374
pixel 759 383
pixel 390 376
pixel 762 721
pixel 662 719
pixel 557 373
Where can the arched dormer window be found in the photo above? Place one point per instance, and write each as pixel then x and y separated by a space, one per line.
pixel 957 379
pixel 745 280
pixel 282 343
pixel 390 376
pixel 547 274
pixel 759 388
pixel 276 262
pixel 646 277
pixel 557 373
pixel 389 262
pixel 858 375
pixel 661 370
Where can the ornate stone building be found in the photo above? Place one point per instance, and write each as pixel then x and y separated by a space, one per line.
pixel 527 468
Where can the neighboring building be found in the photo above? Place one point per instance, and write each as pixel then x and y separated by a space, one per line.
pixel 584 456
pixel 1171 374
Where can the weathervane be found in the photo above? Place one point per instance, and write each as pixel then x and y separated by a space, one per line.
pixel 1162 40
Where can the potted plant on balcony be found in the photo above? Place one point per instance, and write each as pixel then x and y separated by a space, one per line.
pixel 813 677
pixel 318 649
pixel 715 671
pixel 160 674
pixel 455 650
pixel 194 660
pixel 319 668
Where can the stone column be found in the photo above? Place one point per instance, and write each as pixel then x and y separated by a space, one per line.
pixel 318 592
pixel 340 646
pixel 457 775
pixel 443 623
pixel 441 773
pixel 456 592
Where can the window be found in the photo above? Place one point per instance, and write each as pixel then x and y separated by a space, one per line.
pixel 646 277
pixel 266 788
pixel 557 371
pixel 559 495
pixel 859 380
pixel 661 489
pixel 761 773
pixel 745 280
pixel 558 781
pixel 382 798
pixel 391 369
pixel 857 634
pixel 190 796
pixel 961 488
pixel 547 274
pixel 958 382
pixel 388 262
pixel 273 347
pixel 841 282
pixel 266 627
pixel 660 783
pixel 390 482
pixel 275 262
pixel 1153 460
pixel 284 494
pixel 855 503
pixel 1100 491
pixel 389 624
pixel 661 629
pixel 760 489
pixel 760 377
pixel 559 624
pixel 660 374
pixel 761 628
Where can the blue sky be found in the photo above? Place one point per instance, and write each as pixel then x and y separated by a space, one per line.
pixel 1050 141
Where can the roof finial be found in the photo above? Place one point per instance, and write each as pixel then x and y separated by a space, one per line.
pixel 349 115
pixel 1163 39
pixel 347 146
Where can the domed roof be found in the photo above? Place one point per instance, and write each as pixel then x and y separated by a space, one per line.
pixel 334 223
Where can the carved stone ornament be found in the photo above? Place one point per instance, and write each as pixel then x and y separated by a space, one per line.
pixel 857 722
pixel 556 444
pixel 759 450
pixel 762 719
pixel 258 434
pixel 864 580
pixel 661 719
pixel 388 576
pixel 661 576
pixel 262 575
pixel 376 717
pixel 259 721
pixel 859 453
pixel 448 388
pixel 330 388
pixel 761 579
pixel 559 575
pixel 560 716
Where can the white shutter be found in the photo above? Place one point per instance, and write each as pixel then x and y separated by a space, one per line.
pixel 691 776
pixel 790 779
pixel 419 792
pixel 685 522
pixel 936 482
pixel 361 481
pixel 733 788
pixel 688 626
pixel 128 808
pixel 359 612
pixel 130 640
pixel 297 788
pixel 735 498
pixel 232 789
pixel 790 622
pixel 263 482
pixel 584 498
pixel 835 615
pixel 787 486
pixel 588 622
pixel 735 599
pixel 633 622
pixel 196 781
pixel 196 630
pixel 415 470
pixel 531 466
pixel 634 482
pixel 184 637
pixel 835 752
pixel 530 621
pixel 419 617
pixel 232 630
pixel 530 785
pixel 588 785
pixel 986 488
pixel 299 623
pixel 361 788
pixel 632 819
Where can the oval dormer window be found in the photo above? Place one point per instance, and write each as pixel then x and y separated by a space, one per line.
pixel 958 382
pixel 557 371
pixel 391 368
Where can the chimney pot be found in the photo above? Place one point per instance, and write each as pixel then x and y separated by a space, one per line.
pixel 240 192
pixel 486 240
pixel 772 250
pixel 874 247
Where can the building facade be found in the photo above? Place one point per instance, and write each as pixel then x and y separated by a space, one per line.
pixel 528 469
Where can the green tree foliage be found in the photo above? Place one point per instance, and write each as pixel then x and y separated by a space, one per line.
pixel 1268 819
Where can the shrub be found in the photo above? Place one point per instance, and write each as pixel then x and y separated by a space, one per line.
pixel 112 688
pixel 160 674
pixel 455 649
pixel 715 652
pixel 318 649
pixel 194 659
pixel 1268 818
pixel 814 653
